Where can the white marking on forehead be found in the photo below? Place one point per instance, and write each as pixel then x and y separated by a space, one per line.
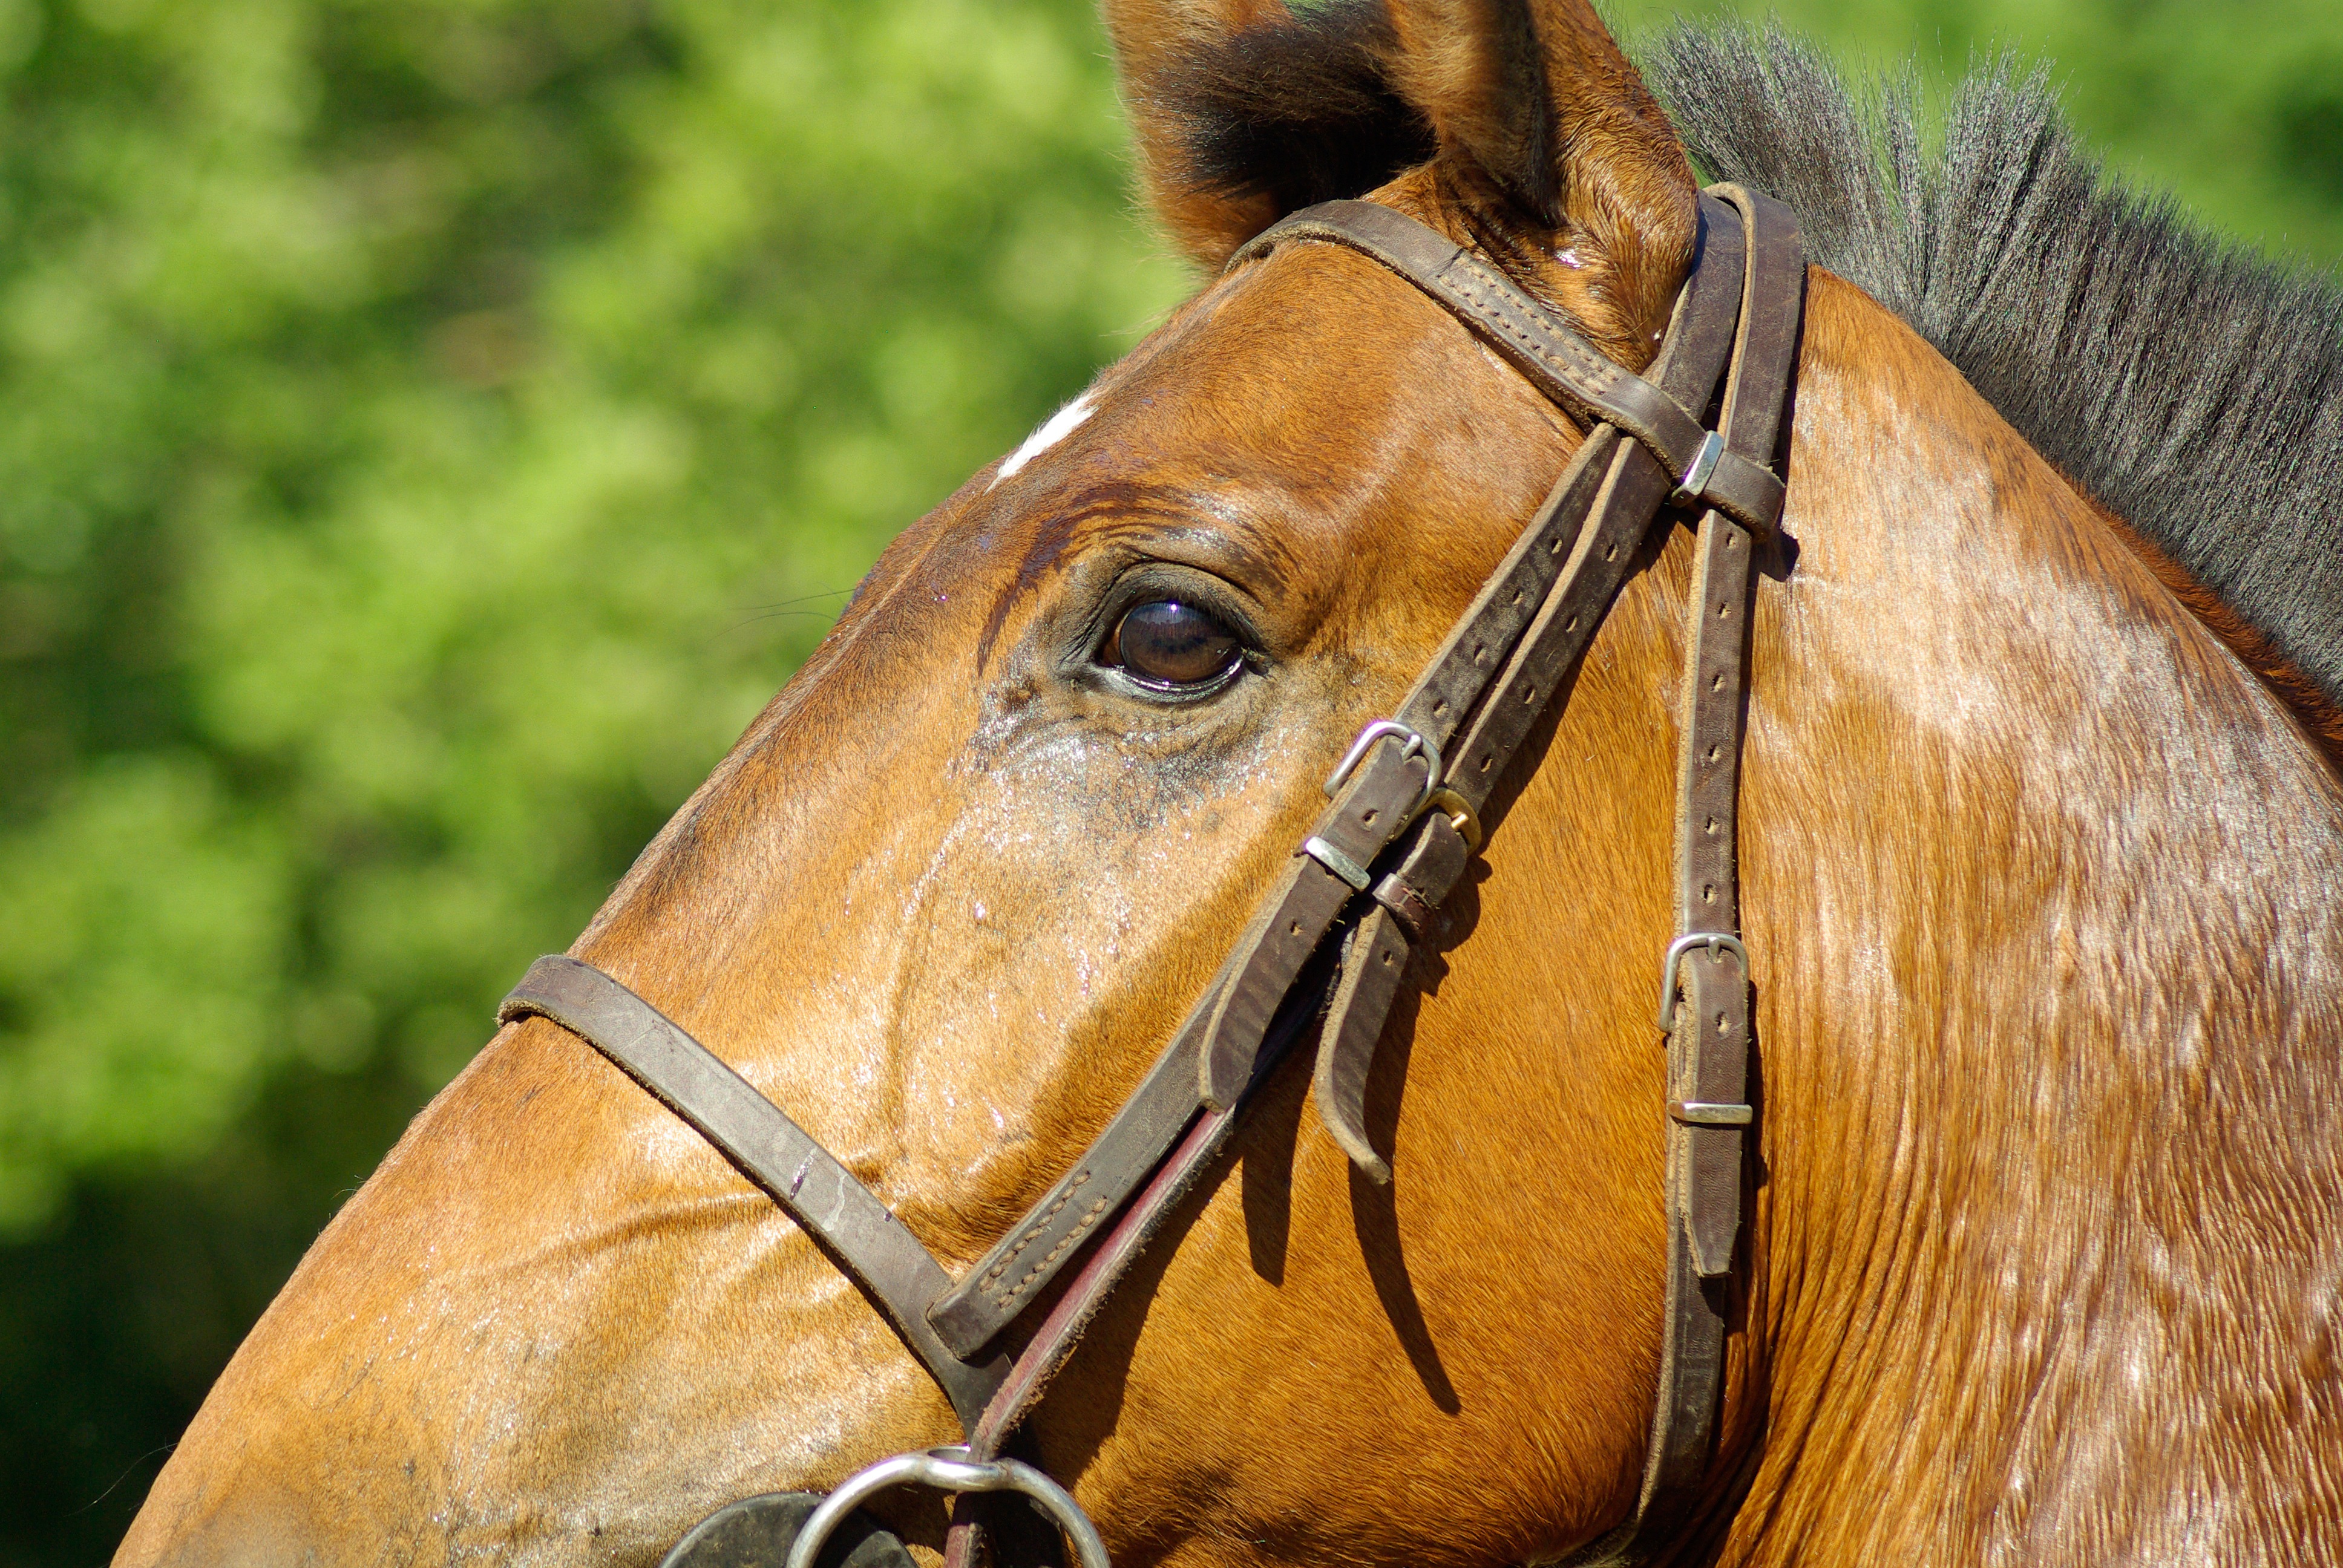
pixel 1054 429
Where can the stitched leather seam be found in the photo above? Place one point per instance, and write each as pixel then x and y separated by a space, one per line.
pixel 1560 353
pixel 1041 1228
pixel 1041 1268
pixel 1410 907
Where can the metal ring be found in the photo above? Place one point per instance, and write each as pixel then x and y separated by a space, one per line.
pixel 1714 941
pixel 1412 743
pixel 950 1469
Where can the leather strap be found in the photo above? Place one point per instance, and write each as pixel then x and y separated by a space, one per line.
pixel 1710 1038
pixel 1699 342
pixel 1054 1341
pixel 1632 487
pixel 1371 970
pixel 1005 1281
pixel 1376 804
pixel 1218 1044
pixel 857 1232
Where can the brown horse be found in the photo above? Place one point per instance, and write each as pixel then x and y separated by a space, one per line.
pixel 2046 1248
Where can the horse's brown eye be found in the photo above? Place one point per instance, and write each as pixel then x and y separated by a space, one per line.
pixel 1167 643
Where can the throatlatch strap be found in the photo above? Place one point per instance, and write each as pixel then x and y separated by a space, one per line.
pixel 1710 1039
pixel 860 1234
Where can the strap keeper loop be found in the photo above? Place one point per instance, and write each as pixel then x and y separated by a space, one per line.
pixel 1334 860
pixel 1710 1114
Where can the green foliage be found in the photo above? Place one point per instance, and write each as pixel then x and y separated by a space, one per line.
pixel 432 431
pixel 429 429
pixel 2237 109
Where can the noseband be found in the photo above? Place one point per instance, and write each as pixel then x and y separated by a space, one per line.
pixel 1403 824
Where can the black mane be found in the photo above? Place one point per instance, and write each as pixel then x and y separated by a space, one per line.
pixel 2194 388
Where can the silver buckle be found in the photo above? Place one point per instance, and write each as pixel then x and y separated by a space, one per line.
pixel 949 1470
pixel 1711 1112
pixel 1412 744
pixel 1715 942
pixel 1696 474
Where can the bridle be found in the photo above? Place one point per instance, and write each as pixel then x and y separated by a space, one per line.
pixel 1402 823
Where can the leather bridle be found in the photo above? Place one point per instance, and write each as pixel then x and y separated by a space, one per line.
pixel 1402 826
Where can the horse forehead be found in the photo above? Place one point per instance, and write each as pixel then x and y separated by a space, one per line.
pixel 1234 417
pixel 1250 433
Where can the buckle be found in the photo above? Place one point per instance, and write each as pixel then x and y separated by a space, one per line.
pixel 1715 942
pixel 1412 745
pixel 1450 804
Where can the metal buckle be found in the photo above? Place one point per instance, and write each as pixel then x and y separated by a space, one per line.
pixel 1412 744
pixel 1715 942
pixel 949 1470
pixel 1460 816
pixel 1695 482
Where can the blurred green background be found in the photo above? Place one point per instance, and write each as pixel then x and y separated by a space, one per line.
pixel 429 429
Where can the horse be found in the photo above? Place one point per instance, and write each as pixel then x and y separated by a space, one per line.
pixel 2039 831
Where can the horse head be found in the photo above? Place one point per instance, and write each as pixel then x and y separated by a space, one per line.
pixel 2032 864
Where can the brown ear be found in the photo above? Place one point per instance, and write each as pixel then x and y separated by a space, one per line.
pixel 1244 111
pixel 1533 102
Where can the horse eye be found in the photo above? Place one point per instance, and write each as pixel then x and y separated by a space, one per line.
pixel 1167 643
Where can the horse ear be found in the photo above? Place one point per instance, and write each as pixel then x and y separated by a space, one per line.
pixel 1244 111
pixel 1533 102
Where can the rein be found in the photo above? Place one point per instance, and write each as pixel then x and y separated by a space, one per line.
pixel 1403 824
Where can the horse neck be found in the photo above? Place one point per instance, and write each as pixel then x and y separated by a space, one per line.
pixel 2045 1244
